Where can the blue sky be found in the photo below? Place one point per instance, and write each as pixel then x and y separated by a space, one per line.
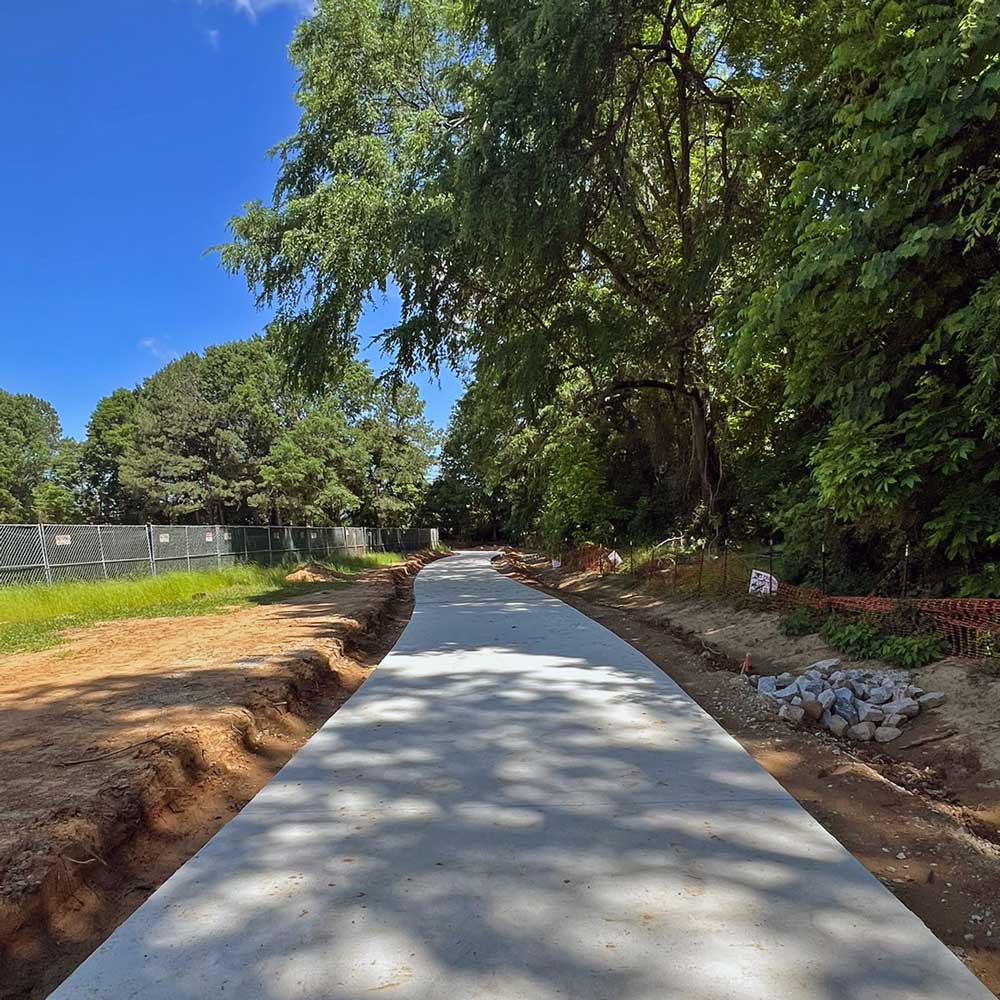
pixel 133 129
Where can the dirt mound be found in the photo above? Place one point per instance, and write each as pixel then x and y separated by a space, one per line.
pixel 314 573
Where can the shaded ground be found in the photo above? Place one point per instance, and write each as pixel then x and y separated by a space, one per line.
pixel 519 805
pixel 937 804
pixel 127 747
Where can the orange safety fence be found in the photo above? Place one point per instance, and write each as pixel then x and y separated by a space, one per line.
pixel 969 626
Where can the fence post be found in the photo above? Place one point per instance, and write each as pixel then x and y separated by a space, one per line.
pixel 152 551
pixel 701 565
pixel 771 589
pixel 187 546
pixel 725 564
pixel 100 548
pixel 45 554
pixel 270 555
pixel 823 567
pixel 218 546
pixel 906 566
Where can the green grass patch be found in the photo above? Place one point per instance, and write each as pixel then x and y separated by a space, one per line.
pixel 32 617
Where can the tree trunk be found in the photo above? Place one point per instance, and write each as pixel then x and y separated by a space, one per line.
pixel 704 445
pixel 705 450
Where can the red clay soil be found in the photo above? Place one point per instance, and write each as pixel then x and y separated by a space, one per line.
pixel 924 820
pixel 129 746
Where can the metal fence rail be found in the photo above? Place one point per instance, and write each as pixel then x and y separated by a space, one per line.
pixel 32 553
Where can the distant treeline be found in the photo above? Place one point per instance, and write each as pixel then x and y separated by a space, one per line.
pixel 223 437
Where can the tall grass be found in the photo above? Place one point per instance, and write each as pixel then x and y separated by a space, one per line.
pixel 32 616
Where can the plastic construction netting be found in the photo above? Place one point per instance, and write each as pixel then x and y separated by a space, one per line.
pixel 969 626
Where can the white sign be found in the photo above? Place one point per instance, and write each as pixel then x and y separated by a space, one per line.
pixel 762 583
pixel 164 537
pixel 209 536
pixel 615 559
pixel 226 535
pixel 64 539
pixel 556 563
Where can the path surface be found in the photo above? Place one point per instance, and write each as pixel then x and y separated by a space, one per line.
pixel 518 805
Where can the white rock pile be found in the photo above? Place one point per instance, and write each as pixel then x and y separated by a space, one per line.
pixel 860 705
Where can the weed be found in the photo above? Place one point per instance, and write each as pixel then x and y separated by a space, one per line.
pixel 866 639
pixel 803 620
pixel 33 616
pixel 911 651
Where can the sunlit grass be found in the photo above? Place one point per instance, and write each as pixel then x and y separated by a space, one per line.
pixel 33 616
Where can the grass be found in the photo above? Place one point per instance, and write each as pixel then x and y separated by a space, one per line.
pixel 34 616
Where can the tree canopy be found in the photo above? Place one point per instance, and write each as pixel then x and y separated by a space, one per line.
pixel 717 266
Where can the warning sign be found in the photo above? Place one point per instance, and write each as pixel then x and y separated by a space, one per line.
pixel 762 584
pixel 209 536
pixel 164 537
pixel 64 539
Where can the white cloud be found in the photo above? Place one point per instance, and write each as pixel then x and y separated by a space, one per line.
pixel 159 351
pixel 213 35
pixel 254 8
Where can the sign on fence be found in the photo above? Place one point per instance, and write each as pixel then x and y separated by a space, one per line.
pixel 762 583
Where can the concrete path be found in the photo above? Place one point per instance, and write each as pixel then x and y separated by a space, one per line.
pixel 518 805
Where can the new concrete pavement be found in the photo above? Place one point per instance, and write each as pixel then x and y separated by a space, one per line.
pixel 518 805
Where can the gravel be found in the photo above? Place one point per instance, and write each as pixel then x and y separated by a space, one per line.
pixel 860 705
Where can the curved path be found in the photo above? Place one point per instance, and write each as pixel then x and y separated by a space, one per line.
pixel 518 805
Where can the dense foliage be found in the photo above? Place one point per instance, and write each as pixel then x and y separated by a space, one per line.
pixel 723 267
pixel 222 437
pixel 33 457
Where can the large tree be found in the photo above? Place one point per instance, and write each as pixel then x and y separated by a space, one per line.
pixel 109 431
pixel 558 188
pixel 881 301
pixel 398 445
pixel 29 444
pixel 307 474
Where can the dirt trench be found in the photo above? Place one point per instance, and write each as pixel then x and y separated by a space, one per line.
pixel 128 747
pixel 924 820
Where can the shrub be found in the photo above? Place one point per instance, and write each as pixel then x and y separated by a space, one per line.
pixel 866 639
pixel 857 639
pixel 911 651
pixel 804 620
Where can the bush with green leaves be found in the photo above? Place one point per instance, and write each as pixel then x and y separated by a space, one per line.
pixel 866 639
pixel 801 621
pixel 911 651
pixel 857 639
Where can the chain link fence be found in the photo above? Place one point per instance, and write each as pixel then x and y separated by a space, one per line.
pixel 33 553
